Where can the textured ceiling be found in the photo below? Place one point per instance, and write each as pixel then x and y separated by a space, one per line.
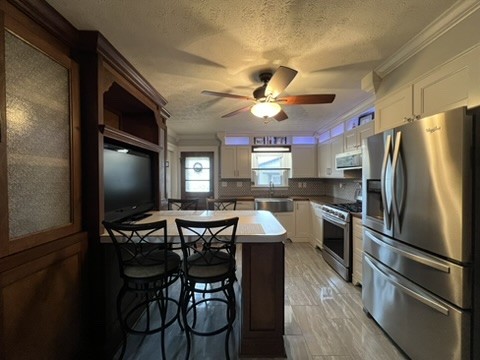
pixel 183 47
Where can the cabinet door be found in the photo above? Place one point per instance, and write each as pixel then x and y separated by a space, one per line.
pixel 303 230
pixel 392 110
pixel 287 219
pixel 357 244
pixel 445 89
pixel 337 147
pixel 227 163
pixel 243 162
pixel 324 160
pixel 304 161
pixel 317 225
pixel 365 131
pixel 351 140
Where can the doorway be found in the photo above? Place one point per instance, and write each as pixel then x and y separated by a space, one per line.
pixel 197 176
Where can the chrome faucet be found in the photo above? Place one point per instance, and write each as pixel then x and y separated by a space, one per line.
pixel 271 188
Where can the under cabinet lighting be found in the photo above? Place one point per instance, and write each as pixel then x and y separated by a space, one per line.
pixel 122 151
pixel 274 149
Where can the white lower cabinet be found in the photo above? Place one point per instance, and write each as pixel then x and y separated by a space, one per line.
pixel 357 244
pixel 303 232
pixel 287 219
pixel 317 225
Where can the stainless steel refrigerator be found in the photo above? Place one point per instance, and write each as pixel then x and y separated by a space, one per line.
pixel 418 234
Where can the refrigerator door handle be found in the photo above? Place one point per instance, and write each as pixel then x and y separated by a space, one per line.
pixel 386 207
pixel 414 257
pixel 431 303
pixel 396 156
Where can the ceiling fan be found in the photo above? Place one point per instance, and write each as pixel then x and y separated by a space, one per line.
pixel 266 100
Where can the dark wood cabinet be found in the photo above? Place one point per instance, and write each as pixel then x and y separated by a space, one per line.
pixel 42 242
pixel 118 106
pixel 63 93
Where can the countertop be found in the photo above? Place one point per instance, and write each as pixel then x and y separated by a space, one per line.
pixel 315 198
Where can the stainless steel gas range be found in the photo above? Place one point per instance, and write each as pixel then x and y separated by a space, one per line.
pixel 337 236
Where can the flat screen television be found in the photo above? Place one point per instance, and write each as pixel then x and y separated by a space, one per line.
pixel 128 183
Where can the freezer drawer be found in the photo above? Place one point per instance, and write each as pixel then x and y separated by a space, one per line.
pixel 448 280
pixel 420 323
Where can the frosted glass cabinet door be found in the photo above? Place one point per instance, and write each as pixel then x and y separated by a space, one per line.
pixel 38 137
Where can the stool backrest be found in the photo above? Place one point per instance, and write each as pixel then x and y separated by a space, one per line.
pixel 182 204
pixel 221 204
pixel 209 241
pixel 139 245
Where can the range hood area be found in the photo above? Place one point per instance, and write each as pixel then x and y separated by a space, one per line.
pixel 351 160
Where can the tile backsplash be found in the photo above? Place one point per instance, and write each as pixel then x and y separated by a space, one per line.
pixel 339 188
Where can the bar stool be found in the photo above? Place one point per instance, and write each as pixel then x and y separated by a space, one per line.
pixel 208 249
pixel 221 204
pixel 182 204
pixel 148 269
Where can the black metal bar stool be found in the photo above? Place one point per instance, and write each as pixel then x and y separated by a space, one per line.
pixel 208 258
pixel 182 204
pixel 221 204
pixel 148 269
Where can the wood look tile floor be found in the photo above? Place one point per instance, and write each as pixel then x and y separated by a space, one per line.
pixel 324 320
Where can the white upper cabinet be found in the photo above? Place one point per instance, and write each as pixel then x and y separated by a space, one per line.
pixel 451 85
pixel 235 162
pixel 353 138
pixel 326 158
pixel 393 110
pixel 444 89
pixel 304 161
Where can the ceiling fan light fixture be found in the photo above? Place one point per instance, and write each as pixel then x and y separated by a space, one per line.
pixel 265 109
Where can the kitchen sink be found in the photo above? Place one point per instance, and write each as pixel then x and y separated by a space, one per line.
pixel 274 204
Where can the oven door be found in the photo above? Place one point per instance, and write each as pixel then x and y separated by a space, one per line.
pixel 337 245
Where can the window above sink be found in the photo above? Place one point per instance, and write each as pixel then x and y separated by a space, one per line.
pixel 271 168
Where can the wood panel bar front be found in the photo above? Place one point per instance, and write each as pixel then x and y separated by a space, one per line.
pixel 263 289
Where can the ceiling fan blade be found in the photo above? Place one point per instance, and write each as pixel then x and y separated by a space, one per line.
pixel 307 99
pixel 221 94
pixel 282 115
pixel 239 111
pixel 279 81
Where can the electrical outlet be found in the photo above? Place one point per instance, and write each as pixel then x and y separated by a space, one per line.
pixel 304 185
pixel 239 184
pixel 224 184
pixel 299 185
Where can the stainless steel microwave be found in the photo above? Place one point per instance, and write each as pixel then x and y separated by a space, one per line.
pixel 350 160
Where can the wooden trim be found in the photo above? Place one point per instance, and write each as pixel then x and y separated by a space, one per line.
pixel 111 74
pixel 3 150
pixel 12 261
pixel 15 274
pixel 124 137
pixel 76 148
pixel 43 41
pixel 94 41
pixel 38 38
pixel 49 19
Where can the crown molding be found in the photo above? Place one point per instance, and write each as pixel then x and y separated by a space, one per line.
pixel 358 109
pixel 450 18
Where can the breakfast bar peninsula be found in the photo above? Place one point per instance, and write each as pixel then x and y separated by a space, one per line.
pixel 262 276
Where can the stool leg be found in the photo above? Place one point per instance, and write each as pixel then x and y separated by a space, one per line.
pixel 231 313
pixel 122 323
pixel 162 308
pixel 184 306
